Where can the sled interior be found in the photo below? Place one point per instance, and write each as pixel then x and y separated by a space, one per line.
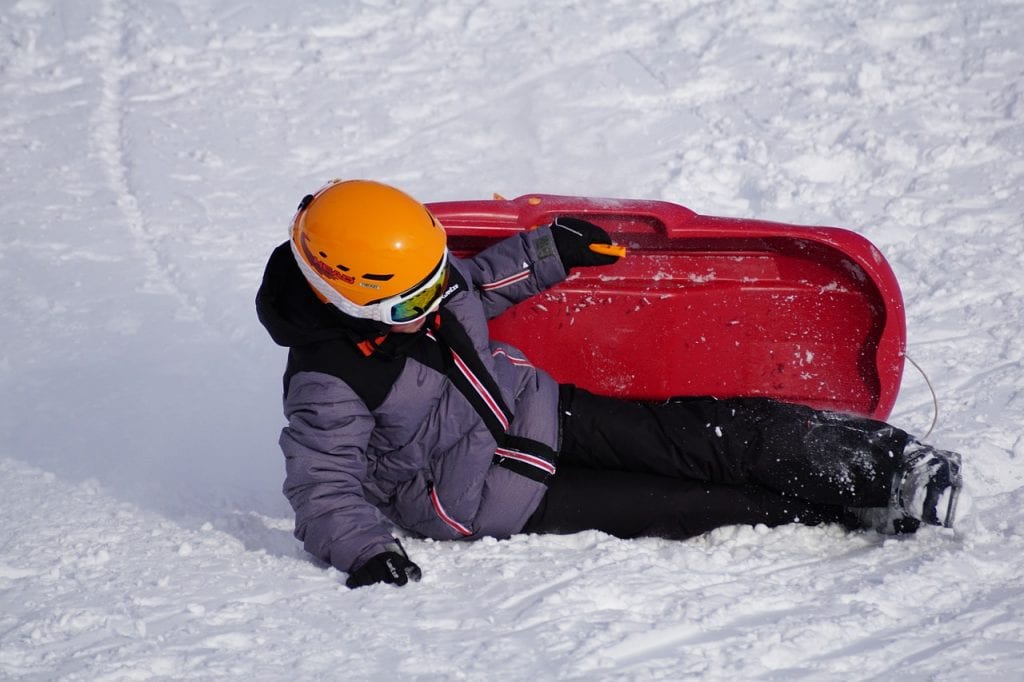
pixel 704 305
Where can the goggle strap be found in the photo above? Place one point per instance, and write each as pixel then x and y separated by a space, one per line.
pixel 327 291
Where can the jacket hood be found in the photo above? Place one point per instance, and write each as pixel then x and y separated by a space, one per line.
pixel 292 313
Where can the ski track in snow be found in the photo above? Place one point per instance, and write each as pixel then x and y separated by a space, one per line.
pixel 152 154
pixel 114 152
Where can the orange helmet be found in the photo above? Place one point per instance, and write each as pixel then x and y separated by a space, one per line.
pixel 371 250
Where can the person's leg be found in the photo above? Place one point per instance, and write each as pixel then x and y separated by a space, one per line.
pixel 821 457
pixel 629 505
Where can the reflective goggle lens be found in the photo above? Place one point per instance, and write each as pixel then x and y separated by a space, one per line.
pixel 419 303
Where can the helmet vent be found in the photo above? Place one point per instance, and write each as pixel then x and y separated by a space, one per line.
pixel 378 278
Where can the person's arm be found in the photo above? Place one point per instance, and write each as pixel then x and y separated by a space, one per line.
pixel 325 460
pixel 526 264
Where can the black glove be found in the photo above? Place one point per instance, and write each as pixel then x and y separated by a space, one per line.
pixel 573 238
pixel 393 567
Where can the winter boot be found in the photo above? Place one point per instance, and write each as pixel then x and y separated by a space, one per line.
pixel 927 484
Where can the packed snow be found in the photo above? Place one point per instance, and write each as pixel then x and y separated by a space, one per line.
pixel 152 155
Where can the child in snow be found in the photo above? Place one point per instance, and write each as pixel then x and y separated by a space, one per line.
pixel 401 410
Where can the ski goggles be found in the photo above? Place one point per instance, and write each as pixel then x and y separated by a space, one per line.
pixel 421 300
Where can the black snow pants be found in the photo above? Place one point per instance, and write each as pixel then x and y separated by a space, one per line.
pixel 680 468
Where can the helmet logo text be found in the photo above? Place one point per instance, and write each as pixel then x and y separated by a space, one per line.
pixel 321 267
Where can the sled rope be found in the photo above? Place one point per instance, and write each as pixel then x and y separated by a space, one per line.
pixel 935 399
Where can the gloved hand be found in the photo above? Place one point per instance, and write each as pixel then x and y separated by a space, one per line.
pixel 573 238
pixel 392 567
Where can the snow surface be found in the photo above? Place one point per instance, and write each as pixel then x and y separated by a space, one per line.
pixel 152 153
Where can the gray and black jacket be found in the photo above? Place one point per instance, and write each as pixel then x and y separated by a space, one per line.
pixel 447 434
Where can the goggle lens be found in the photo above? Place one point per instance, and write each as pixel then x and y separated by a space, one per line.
pixel 420 302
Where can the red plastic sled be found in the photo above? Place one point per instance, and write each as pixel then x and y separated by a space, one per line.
pixel 704 305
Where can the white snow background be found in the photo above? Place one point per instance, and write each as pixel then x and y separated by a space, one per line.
pixel 151 155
